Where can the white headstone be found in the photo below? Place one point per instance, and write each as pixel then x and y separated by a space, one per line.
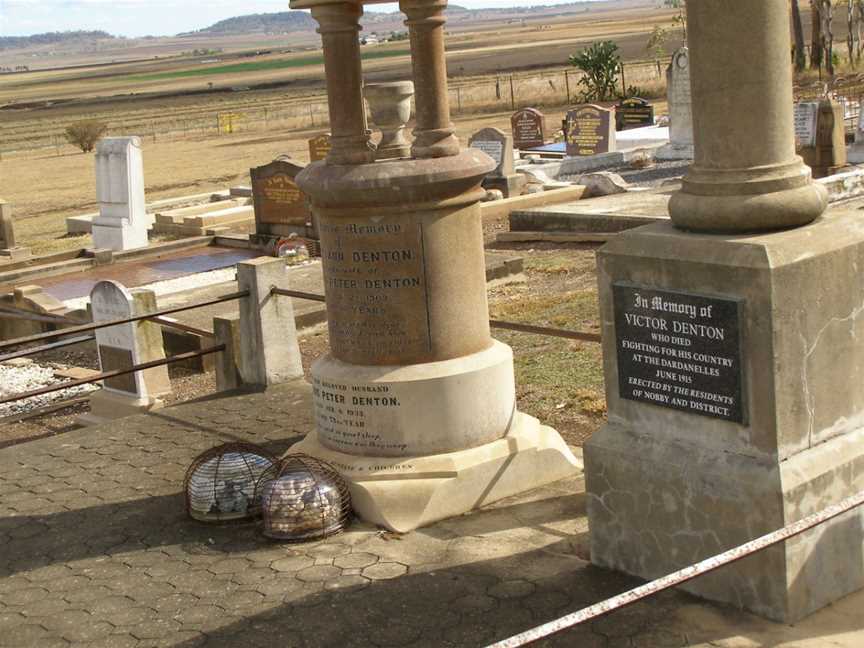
pixel 499 146
pixel 678 93
pixel 118 345
pixel 855 153
pixel 806 121
pixel 122 222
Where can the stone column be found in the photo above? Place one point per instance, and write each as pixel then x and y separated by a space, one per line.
pixel 433 134
pixel 733 361
pixel 416 403
pixel 746 175
pixel 339 27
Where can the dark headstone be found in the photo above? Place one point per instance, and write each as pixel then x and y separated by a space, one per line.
pixel 280 207
pixel 634 113
pixel 499 146
pixel 590 131
pixel 679 350
pixel 529 128
pixel 319 147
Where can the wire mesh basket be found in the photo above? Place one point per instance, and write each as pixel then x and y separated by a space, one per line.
pixel 220 483
pixel 303 498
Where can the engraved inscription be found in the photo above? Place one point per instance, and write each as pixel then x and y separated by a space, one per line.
pixel 679 350
pixel 588 131
pixel 376 289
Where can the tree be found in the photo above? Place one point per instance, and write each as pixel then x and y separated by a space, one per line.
pixel 800 54
pixel 600 64
pixel 816 42
pixel 828 35
pixel 657 41
pixel 681 18
pixel 85 134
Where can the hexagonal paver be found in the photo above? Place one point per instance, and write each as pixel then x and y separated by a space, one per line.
pixel 319 573
pixel 328 550
pixel 25 596
pixel 356 560
pixel 199 615
pixel 158 629
pixel 230 566
pixel 346 583
pixel 44 608
pixel 292 564
pixel 474 603
pixel 385 571
pixel 511 589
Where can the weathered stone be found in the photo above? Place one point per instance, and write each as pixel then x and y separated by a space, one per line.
pixel 122 222
pixel 680 99
pixel 602 183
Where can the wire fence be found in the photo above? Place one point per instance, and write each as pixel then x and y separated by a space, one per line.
pixel 248 114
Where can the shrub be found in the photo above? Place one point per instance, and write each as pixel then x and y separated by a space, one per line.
pixel 85 134
pixel 600 64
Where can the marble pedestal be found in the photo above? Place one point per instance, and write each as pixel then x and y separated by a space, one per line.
pixel 669 487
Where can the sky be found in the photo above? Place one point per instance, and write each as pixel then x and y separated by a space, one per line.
pixel 158 17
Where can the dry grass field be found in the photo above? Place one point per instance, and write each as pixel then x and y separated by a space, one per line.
pixel 171 105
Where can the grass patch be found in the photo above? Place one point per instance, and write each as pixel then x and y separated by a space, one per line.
pixel 260 66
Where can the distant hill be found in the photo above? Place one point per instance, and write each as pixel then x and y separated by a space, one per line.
pixel 51 38
pixel 283 21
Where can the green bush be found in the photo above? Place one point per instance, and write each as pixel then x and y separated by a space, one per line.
pixel 600 65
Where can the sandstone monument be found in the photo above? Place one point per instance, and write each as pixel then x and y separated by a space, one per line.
pixel 122 222
pixel 732 348
pixel 415 403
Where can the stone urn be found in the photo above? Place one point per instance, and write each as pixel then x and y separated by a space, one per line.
pixel 390 107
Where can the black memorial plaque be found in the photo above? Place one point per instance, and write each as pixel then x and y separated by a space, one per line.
pixel 634 113
pixel 679 350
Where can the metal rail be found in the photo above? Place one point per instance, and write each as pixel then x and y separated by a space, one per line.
pixel 23 353
pixel 113 374
pixel 93 326
pixel 509 326
pixel 681 576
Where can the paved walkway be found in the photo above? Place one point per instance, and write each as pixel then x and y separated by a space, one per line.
pixel 96 551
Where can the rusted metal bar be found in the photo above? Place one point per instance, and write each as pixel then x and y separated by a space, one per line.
pixel 182 327
pixel 23 353
pixel 113 374
pixel 510 326
pixel 544 330
pixel 298 294
pixel 93 326
pixel 681 576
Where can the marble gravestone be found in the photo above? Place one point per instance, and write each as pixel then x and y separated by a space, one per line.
pixel 499 146
pixel 122 222
pixel 8 248
pixel 589 130
pixel 529 128
pixel 855 153
pixel 281 209
pixel 123 346
pixel 678 92
pixel 319 147
pixel 820 136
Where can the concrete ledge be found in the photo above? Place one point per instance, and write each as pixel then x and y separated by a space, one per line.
pixel 500 208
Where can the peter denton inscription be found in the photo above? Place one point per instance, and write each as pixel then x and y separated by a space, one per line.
pixel 376 289
pixel 679 350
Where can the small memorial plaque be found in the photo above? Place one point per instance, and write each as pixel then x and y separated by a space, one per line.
pixel 590 131
pixel 319 147
pixel 634 113
pixel 118 360
pixel 806 121
pixel 679 350
pixel 499 146
pixel 277 198
pixel 529 128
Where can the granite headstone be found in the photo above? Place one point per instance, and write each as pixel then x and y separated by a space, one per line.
pixel 497 145
pixel 529 128
pixel 590 130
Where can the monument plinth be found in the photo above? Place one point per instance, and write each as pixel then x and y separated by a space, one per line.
pixel 415 403
pixel 733 360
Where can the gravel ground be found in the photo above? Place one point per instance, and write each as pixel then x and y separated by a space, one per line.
pixel 17 377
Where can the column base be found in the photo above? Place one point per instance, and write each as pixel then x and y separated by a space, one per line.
pixel 656 507
pixel 748 212
pixel 403 494
pixel 119 236
pixel 108 406
pixel 669 152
